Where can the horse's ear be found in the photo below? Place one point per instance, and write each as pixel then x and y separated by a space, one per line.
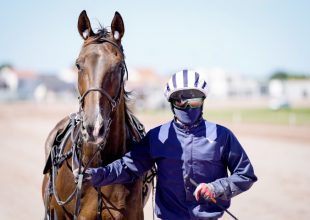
pixel 117 27
pixel 84 26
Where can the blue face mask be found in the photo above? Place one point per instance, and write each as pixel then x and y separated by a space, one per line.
pixel 188 116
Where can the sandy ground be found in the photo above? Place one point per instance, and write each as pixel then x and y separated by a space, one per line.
pixel 280 156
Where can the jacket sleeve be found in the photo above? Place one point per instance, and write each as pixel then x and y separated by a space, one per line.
pixel 126 169
pixel 242 173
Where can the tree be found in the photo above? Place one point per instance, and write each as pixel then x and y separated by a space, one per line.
pixel 5 65
pixel 283 75
pixel 279 75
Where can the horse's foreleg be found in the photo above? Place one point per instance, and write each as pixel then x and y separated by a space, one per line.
pixel 56 212
pixel 46 197
pixel 52 210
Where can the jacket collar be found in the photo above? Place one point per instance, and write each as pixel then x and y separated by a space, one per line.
pixel 187 127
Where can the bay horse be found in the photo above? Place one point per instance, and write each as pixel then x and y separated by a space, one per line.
pixel 96 135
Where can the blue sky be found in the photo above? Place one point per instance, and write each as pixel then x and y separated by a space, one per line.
pixel 254 37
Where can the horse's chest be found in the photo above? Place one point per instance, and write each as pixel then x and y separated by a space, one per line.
pixel 114 202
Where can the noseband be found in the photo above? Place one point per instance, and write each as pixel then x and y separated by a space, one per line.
pixel 112 101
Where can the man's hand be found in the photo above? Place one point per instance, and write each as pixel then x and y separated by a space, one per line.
pixel 87 174
pixel 206 191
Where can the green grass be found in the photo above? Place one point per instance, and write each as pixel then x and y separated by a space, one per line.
pixel 299 116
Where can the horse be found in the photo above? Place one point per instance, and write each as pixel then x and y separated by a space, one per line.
pixel 99 133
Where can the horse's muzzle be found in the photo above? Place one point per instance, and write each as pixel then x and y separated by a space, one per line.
pixel 93 134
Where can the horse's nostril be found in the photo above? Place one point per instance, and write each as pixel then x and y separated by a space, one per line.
pixel 101 130
pixel 90 130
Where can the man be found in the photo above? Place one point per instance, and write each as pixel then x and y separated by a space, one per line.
pixel 186 150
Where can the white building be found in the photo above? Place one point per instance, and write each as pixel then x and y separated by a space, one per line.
pixel 289 92
pixel 223 84
pixel 147 88
pixel 8 84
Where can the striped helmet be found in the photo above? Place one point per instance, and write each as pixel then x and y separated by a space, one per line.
pixel 186 80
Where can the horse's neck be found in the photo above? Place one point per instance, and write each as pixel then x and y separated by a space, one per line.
pixel 116 143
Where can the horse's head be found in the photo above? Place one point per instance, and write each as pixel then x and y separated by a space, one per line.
pixel 101 70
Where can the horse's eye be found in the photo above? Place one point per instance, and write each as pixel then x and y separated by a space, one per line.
pixel 78 66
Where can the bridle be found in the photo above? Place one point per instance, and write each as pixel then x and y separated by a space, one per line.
pixel 76 140
pixel 114 102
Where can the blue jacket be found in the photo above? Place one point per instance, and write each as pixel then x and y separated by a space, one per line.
pixel 204 153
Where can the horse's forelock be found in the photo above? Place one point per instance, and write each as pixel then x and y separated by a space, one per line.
pixel 102 33
pixel 99 37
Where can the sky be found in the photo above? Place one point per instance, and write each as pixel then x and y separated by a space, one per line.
pixel 254 38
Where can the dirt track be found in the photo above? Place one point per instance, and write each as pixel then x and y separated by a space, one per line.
pixel 280 156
